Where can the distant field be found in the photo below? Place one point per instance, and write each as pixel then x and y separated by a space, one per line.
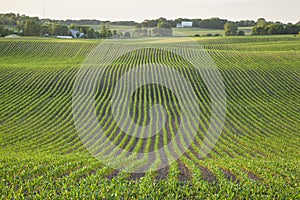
pixel 257 155
pixel 247 30
pixel 199 31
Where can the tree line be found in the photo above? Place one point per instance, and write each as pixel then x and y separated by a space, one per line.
pixel 33 26
pixel 263 27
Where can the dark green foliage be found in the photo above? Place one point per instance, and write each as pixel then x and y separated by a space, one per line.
pixel 45 29
pixel 241 33
pixel 58 29
pixel 2 29
pixel 97 34
pixel 31 28
pixel 105 31
pixel 245 23
pixel 213 23
pixel 164 25
pixel 230 29
pixel 91 33
pixel 275 28
pixel 127 35
pixel 261 22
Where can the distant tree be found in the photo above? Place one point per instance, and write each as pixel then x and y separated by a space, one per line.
pixel 163 24
pixel 20 26
pixel 104 31
pixel 213 23
pixel 81 31
pixel 245 23
pixel 127 35
pixel 292 28
pixel 230 29
pixel 31 28
pixel 150 23
pixel 274 29
pixel 58 29
pixel 45 29
pixel 115 32
pixel 91 33
pixel 261 22
pixel 1 29
pixel 162 19
pixel 241 33
pixel 196 22
pixel 109 33
pixel 97 34
pixel 72 26
pixel 258 30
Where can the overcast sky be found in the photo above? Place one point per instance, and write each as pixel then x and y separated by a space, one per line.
pixel 138 10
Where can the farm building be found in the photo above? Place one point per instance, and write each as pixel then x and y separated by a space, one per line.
pixel 64 37
pixel 185 25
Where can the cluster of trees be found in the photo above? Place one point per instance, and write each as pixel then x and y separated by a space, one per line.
pixel 263 27
pixel 4 31
pixel 163 28
pixel 213 23
pixel 245 23
pixel 123 23
pixel 80 22
pixel 33 26
pixel 231 29
pixel 90 33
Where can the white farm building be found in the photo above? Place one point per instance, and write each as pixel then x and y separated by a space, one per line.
pixel 185 25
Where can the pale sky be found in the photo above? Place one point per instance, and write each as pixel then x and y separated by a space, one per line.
pixel 138 10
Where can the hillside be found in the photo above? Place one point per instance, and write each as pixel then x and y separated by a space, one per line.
pixel 257 154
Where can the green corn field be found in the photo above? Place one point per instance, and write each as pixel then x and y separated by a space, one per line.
pixel 256 156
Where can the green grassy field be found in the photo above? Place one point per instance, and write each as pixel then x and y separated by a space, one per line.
pixel 256 157
pixel 247 30
pixel 199 31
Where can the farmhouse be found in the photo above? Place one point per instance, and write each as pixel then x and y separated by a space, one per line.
pixel 184 25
